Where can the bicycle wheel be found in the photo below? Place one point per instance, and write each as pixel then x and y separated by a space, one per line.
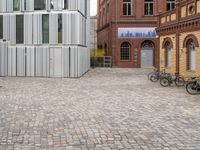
pixel 154 78
pixel 164 82
pixel 191 88
pixel 150 74
pixel 179 81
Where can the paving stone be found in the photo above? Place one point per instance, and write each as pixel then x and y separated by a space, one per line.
pixel 111 109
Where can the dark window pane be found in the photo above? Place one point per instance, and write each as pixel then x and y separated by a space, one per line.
pixel 170 4
pixel 66 4
pixel 1 27
pixel 59 28
pixel 39 4
pixel 19 29
pixel 148 7
pixel 45 28
pixel 125 52
pixel 127 7
pixel 16 5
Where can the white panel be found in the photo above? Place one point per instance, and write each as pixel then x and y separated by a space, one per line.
pixel 30 61
pixel 42 61
pixel 12 61
pixel 60 4
pixel 13 29
pixel 66 67
pixel 37 28
pixel 75 28
pixel 22 5
pixel 53 28
pixel 29 5
pixel 73 62
pixel 67 28
pixel 9 5
pixel 56 62
pixel 28 29
pixel 20 61
pixel 3 58
pixel 48 5
pixel 2 5
pixel 6 24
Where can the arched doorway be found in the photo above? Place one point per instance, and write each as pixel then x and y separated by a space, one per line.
pixel 147 48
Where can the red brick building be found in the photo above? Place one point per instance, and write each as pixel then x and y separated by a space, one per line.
pixel 126 30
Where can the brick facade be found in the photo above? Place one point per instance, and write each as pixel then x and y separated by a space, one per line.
pixel 180 30
pixel 110 18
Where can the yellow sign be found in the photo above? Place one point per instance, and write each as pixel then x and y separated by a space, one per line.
pixel 98 53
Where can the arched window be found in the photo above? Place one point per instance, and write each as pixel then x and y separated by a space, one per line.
pixel 148 7
pixel 125 51
pixel 127 7
pixel 170 4
pixel 191 55
pixel 167 54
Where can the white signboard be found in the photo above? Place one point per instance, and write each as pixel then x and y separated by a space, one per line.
pixel 137 33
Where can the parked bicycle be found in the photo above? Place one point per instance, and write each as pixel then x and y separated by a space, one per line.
pixel 193 86
pixel 170 79
pixel 155 71
pixel 157 75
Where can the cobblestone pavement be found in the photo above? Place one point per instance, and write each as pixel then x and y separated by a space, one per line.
pixel 106 109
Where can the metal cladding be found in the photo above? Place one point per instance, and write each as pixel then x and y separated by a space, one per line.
pixel 51 42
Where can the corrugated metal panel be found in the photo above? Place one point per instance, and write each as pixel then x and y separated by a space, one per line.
pixel 42 61
pixel 21 61
pixel 53 28
pixel 66 59
pixel 6 28
pixel 56 62
pixel 67 31
pixel 3 58
pixel 29 5
pixel 2 5
pixel 9 5
pixel 37 28
pixel 30 62
pixel 28 29
pixel 13 29
pixel 12 61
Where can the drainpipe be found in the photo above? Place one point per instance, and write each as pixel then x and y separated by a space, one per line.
pixel 115 51
pixel 177 41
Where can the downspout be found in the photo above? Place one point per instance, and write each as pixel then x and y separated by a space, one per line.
pixel 115 51
pixel 177 41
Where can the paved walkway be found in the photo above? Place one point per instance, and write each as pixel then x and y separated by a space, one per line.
pixel 106 109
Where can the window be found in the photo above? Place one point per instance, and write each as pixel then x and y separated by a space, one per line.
pixel 1 27
pixel 170 4
pixel 167 54
pixel 125 51
pixel 45 28
pixel 51 4
pixel 19 29
pixel 66 4
pixel 39 4
pixel 191 55
pixel 59 28
pixel 127 5
pixel 148 7
pixel 16 5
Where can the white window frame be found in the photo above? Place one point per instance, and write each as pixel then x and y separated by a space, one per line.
pixel 127 8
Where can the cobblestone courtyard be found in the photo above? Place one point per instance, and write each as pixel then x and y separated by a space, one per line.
pixel 106 109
